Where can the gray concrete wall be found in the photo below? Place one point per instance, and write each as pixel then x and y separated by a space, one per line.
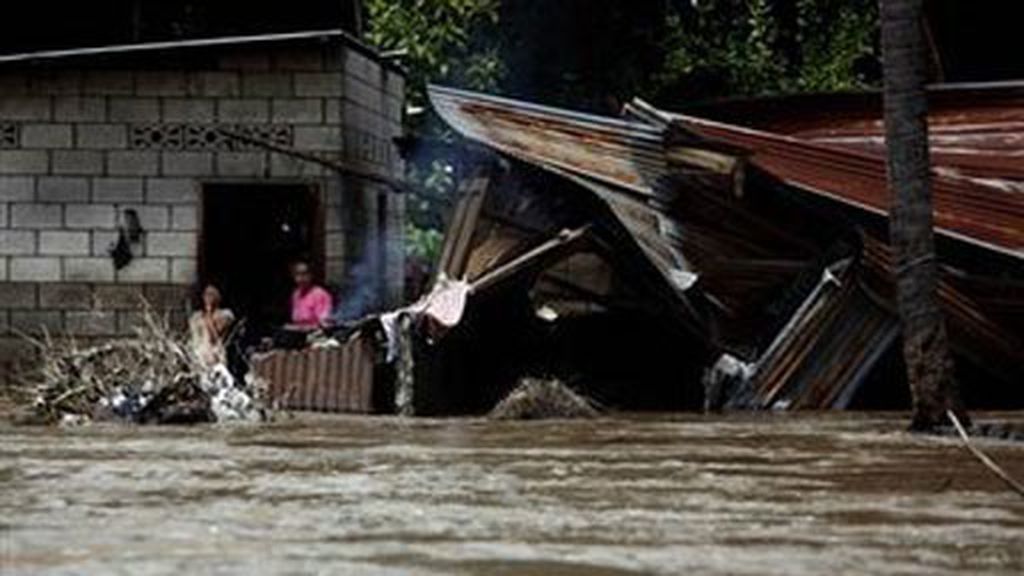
pixel 80 144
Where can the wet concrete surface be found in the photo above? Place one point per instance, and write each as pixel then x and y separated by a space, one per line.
pixel 770 494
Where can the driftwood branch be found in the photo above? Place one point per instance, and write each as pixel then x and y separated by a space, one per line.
pixel 983 458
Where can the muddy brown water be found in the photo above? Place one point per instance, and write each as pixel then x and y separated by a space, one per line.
pixel 811 494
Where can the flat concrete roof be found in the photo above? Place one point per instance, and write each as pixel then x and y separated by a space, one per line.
pixel 199 43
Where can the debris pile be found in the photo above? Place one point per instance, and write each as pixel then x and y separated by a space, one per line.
pixel 538 399
pixel 735 259
pixel 152 377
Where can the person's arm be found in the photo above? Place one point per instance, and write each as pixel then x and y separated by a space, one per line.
pixel 322 307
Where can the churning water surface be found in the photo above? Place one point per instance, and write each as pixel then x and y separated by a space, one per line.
pixel 771 494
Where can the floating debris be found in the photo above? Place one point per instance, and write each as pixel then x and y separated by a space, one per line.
pixel 728 378
pixel 151 377
pixel 538 399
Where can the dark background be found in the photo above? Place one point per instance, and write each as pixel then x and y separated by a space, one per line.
pixel 37 25
pixel 977 40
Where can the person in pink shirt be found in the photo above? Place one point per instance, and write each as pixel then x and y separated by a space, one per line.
pixel 310 304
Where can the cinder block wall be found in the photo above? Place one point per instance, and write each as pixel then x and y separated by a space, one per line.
pixel 83 140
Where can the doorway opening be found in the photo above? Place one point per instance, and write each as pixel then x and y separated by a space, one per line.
pixel 251 235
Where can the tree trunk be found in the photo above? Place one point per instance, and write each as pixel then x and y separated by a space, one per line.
pixel 925 348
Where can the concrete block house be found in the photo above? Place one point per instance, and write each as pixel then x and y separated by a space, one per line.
pixel 219 160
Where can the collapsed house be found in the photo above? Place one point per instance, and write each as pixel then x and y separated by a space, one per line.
pixel 733 256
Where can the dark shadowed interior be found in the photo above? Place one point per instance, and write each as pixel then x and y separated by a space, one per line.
pixel 251 234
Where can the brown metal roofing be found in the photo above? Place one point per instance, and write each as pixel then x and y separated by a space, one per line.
pixel 985 144
pixel 977 193
pixel 835 145
pixel 990 338
pixel 975 129
pixel 831 343
pixel 625 154
pixel 990 214
pixel 977 141
pixel 986 212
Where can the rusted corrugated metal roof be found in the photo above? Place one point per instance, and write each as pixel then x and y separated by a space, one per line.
pixel 990 340
pixel 826 350
pixel 977 192
pixel 982 211
pixel 631 169
pixel 623 153
pixel 975 129
pixel 623 162
pixel 835 145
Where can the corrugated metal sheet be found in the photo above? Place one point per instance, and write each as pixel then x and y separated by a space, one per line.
pixel 974 129
pixel 845 326
pixel 972 331
pixel 974 198
pixel 976 189
pixel 833 341
pixel 651 228
pixel 320 379
pixel 624 153
pixel 455 251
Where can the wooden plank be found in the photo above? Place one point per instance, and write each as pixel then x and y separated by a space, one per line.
pixel 459 235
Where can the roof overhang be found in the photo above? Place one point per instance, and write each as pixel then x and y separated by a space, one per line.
pixel 304 36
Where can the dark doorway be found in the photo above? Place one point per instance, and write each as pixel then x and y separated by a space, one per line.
pixel 251 233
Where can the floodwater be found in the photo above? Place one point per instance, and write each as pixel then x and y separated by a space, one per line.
pixel 775 494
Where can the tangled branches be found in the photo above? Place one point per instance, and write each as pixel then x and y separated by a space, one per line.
pixel 153 376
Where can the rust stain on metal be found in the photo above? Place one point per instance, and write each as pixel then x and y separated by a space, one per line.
pixel 834 144
pixel 985 211
pixel 743 250
pixel 320 379
pixel 624 153
pixel 978 185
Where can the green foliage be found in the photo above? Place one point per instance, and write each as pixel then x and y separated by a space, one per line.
pixel 834 39
pixel 594 54
pixel 444 41
pixel 423 244
pixel 754 47
pixel 435 186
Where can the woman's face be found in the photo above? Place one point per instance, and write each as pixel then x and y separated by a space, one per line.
pixel 301 275
pixel 211 297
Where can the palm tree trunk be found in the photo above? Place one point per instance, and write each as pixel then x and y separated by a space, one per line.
pixel 925 348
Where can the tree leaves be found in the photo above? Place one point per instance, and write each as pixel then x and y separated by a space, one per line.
pixel 446 41
pixel 750 47
pixel 595 54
